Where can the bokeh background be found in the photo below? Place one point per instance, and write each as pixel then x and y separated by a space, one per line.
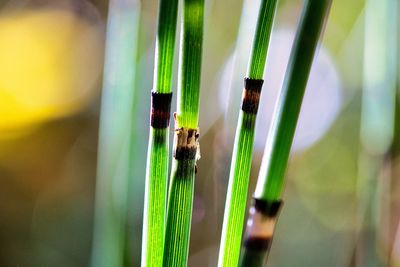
pixel 342 196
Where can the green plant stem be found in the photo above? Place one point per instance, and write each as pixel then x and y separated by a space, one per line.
pixel 243 146
pixel 266 205
pixel 187 115
pixel 155 198
pixel 270 181
pixel 237 191
pixel 259 50
pixel 158 150
pixel 165 46
pixel 180 197
pixel 114 149
pixel 180 205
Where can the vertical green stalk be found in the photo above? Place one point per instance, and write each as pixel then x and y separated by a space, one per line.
pixel 376 131
pixel 266 205
pixel 395 148
pixel 180 197
pixel 158 150
pixel 287 110
pixel 114 135
pixel 242 152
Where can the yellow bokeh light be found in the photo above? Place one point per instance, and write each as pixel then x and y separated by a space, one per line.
pixel 50 61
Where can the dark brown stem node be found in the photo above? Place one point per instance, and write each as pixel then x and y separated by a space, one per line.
pixel 259 233
pixel 261 224
pixel 267 208
pixel 251 95
pixel 160 109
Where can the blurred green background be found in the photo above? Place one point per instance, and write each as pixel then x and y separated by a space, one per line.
pixel 342 196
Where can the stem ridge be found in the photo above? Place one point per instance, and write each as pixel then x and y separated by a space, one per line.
pixel 239 174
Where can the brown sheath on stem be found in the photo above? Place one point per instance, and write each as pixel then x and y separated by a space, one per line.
pixel 251 95
pixel 259 232
pixel 160 109
pixel 187 144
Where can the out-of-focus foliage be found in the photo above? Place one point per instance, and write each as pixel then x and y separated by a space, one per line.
pixel 50 61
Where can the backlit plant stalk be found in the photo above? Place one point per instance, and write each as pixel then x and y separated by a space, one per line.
pixel 186 146
pixel 242 152
pixel 377 134
pixel 158 150
pixel 115 143
pixel 267 197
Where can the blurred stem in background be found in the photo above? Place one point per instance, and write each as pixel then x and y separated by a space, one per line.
pixel 235 205
pixel 267 196
pixel 377 131
pixel 158 151
pixel 115 144
pixel 186 147
pixel 395 153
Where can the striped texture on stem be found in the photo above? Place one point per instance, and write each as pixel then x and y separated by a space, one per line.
pixel 263 214
pixel 186 154
pixel 180 199
pixel 158 150
pixel 165 46
pixel 155 197
pixel 263 32
pixel 237 189
pixel 187 115
pixel 243 147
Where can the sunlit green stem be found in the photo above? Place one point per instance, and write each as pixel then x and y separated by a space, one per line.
pixel 280 137
pixel 242 153
pixel 180 204
pixel 165 46
pixel 155 198
pixel 114 138
pixel 180 197
pixel 266 205
pixel 158 151
pixel 259 50
pixel 237 191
